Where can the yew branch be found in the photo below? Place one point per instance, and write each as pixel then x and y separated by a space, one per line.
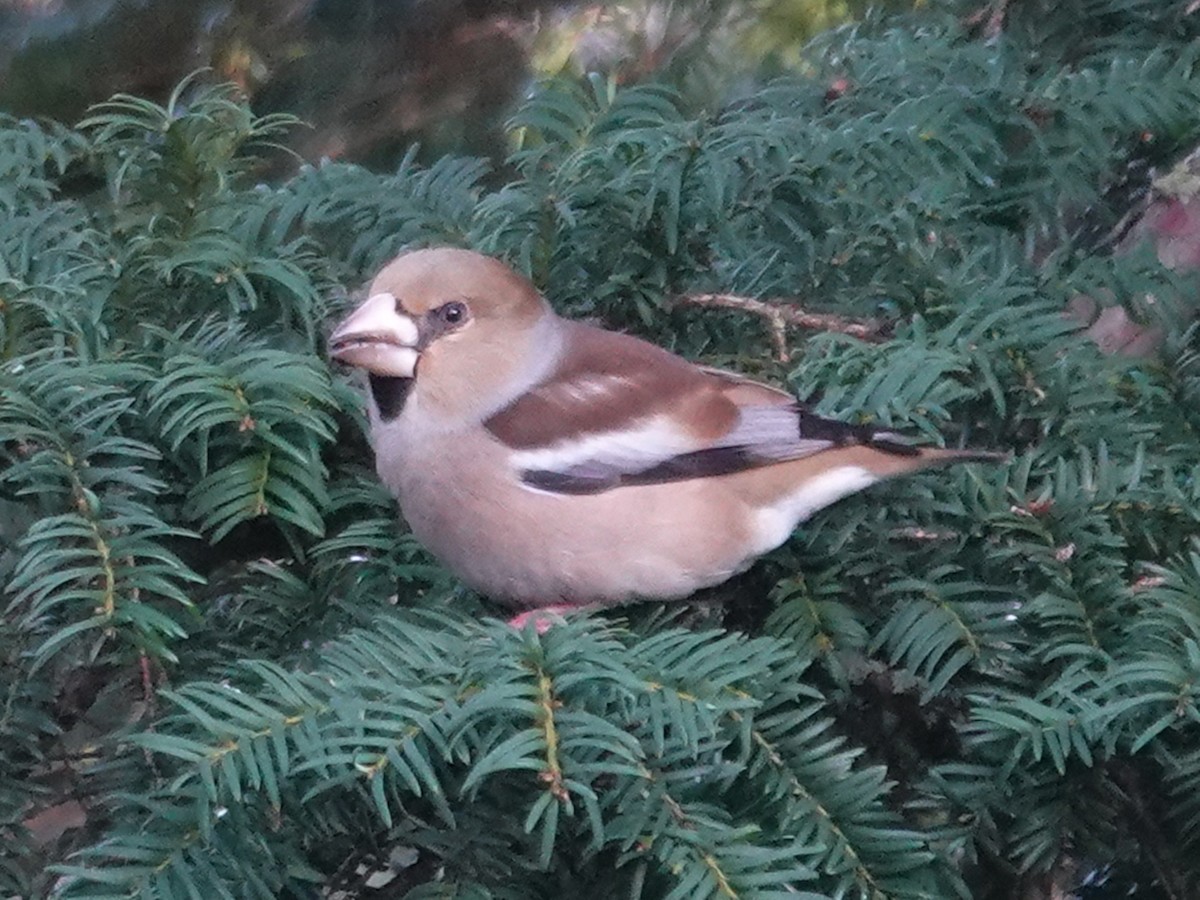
pixel 779 314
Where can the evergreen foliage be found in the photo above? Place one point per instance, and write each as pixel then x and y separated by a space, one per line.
pixel 972 683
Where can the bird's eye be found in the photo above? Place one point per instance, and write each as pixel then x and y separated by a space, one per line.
pixel 453 313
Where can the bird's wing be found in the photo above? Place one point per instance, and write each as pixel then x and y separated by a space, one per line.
pixel 619 411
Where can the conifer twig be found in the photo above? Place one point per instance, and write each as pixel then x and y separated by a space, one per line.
pixel 1156 845
pixel 779 314
pixel 992 17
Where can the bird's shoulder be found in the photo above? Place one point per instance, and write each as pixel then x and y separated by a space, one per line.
pixel 605 382
pixel 616 411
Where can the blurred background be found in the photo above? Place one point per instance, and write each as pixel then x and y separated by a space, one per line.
pixel 372 77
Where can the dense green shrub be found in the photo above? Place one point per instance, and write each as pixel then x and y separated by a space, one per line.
pixel 221 643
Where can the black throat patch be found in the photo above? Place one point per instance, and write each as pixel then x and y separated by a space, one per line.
pixel 390 393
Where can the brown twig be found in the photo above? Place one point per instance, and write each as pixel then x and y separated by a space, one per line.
pixel 992 17
pixel 779 314
pixel 1154 842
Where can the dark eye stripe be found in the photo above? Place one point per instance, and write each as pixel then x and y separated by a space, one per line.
pixel 442 320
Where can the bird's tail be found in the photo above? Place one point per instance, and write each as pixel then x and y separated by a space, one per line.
pixel 887 458
pixel 940 456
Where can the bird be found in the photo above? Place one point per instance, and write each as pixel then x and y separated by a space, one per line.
pixel 551 464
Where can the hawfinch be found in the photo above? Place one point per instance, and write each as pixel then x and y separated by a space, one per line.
pixel 550 463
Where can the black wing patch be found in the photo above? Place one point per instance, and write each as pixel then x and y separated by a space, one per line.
pixel 814 435
pixel 700 464
pixel 843 434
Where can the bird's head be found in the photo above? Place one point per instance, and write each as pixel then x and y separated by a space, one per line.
pixel 454 328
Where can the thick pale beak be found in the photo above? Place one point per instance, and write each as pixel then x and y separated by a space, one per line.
pixel 378 338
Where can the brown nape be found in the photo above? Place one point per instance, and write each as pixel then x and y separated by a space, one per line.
pixel 425 279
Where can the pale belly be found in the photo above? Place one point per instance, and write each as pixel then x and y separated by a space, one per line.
pixel 533 548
